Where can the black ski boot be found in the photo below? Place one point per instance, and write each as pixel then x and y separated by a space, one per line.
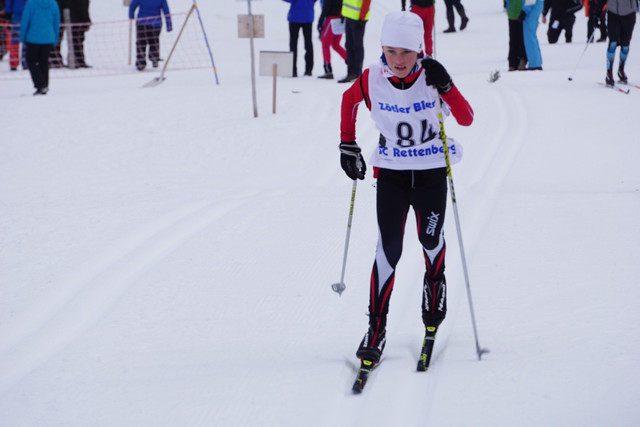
pixel 622 75
pixel 328 72
pixel 609 78
pixel 434 301
pixel 374 340
pixel 465 21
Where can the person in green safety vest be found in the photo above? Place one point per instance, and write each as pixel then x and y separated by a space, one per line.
pixel 356 14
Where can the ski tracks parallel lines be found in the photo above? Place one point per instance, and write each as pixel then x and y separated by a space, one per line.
pixel 91 289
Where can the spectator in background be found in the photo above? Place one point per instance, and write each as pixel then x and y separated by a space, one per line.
pixel 517 54
pixel 330 18
pixel 40 25
pixel 14 9
pixel 562 18
pixel 301 16
pixel 356 14
pixel 595 11
pixel 425 9
pixel 532 10
pixel 148 27
pixel 80 24
pixel 55 57
pixel 3 30
pixel 457 4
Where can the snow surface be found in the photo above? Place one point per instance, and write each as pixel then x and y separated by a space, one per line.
pixel 166 258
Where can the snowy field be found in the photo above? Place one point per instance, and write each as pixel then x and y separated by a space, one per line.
pixel 166 258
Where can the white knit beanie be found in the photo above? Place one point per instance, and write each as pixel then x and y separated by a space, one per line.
pixel 403 29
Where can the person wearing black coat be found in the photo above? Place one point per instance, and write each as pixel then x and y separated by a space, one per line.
pixel 80 24
pixel 562 18
pixel 55 57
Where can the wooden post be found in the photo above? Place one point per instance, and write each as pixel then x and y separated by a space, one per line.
pixel 275 77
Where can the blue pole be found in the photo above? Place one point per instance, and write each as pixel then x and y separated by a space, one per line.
pixel 207 42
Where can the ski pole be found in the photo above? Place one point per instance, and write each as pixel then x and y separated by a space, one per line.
pixel 443 137
pixel 580 59
pixel 340 286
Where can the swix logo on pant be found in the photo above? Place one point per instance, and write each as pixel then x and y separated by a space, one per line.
pixel 433 224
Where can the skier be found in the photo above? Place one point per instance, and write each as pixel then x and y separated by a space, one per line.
pixel 621 18
pixel 562 18
pixel 402 92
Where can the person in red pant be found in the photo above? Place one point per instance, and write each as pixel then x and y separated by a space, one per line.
pixel 3 30
pixel 328 23
pixel 14 9
pixel 426 11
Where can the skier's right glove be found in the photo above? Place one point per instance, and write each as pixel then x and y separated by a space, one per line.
pixel 437 75
pixel 351 160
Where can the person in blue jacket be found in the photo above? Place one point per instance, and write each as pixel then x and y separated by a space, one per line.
pixel 148 27
pixel 14 8
pixel 301 16
pixel 39 28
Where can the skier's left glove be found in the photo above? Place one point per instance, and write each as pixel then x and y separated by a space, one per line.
pixel 351 160
pixel 437 75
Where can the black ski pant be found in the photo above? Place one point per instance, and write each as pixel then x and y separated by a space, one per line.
pixel 597 19
pixel 38 64
pixel 77 40
pixel 426 192
pixel 147 35
pixel 620 28
pixel 451 4
pixel 517 51
pixel 556 25
pixel 294 31
pixel 354 44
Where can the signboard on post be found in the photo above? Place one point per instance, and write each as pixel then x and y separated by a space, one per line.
pixel 273 63
pixel 244 29
pixel 283 61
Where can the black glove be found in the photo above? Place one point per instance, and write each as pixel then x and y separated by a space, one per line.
pixel 320 22
pixel 436 75
pixel 351 160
